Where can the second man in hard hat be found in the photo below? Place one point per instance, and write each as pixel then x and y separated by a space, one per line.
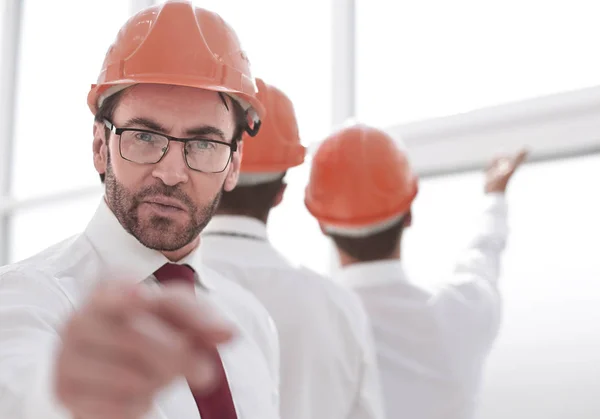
pixel 328 365
pixel 431 345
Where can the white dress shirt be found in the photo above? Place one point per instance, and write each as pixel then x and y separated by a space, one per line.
pixel 328 361
pixel 38 295
pixel 432 345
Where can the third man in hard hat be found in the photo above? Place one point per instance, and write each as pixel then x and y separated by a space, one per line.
pixel 431 345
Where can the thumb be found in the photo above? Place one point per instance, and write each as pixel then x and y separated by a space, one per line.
pixel 196 314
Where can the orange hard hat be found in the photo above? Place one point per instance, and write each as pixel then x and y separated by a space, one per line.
pixel 277 147
pixel 360 182
pixel 179 44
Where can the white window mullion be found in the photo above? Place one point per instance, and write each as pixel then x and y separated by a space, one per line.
pixel 11 33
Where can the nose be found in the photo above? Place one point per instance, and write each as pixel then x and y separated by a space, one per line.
pixel 172 169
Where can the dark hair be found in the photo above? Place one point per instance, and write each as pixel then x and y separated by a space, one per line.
pixel 371 248
pixel 254 201
pixel 240 117
pixel 107 111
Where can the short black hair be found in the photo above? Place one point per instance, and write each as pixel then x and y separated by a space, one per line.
pixel 254 201
pixel 375 247
pixel 106 111
pixel 109 105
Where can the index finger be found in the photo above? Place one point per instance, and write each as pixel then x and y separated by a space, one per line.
pixel 113 299
pixel 194 315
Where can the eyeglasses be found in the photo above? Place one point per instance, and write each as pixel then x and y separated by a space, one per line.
pixel 148 147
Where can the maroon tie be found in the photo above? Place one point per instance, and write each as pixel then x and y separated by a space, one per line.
pixel 218 404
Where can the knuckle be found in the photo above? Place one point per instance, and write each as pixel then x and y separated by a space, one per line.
pixel 130 382
pixel 102 291
pixel 179 344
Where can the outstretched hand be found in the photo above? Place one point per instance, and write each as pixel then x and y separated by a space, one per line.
pixel 501 169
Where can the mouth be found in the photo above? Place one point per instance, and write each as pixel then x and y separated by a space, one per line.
pixel 165 203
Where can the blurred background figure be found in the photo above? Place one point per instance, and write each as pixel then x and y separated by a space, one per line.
pixel 328 363
pixel 432 346
pixel 458 82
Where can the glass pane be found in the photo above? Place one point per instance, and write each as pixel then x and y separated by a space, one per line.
pixel 294 231
pixel 35 229
pixel 428 58
pixel 63 46
pixel 547 359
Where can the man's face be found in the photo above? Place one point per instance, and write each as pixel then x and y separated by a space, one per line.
pixel 166 205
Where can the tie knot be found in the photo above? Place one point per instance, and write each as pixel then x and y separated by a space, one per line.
pixel 171 272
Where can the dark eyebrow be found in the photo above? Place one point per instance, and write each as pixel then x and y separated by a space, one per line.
pixel 206 130
pixel 144 123
pixel 152 125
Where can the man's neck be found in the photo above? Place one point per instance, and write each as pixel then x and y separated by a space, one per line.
pixel 347 260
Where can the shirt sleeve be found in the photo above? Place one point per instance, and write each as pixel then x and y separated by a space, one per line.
pixel 31 309
pixel 469 305
pixel 481 259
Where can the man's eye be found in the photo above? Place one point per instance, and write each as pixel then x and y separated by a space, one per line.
pixel 145 136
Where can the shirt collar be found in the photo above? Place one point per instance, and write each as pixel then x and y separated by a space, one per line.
pixel 366 274
pixel 123 255
pixel 237 224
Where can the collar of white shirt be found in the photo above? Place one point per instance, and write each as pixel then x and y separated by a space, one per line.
pixel 240 241
pixel 124 255
pixel 368 274
pixel 236 225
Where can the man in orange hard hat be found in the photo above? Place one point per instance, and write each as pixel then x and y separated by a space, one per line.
pixel 431 345
pixel 328 361
pixel 124 320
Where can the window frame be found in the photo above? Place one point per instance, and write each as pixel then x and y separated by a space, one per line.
pixel 11 40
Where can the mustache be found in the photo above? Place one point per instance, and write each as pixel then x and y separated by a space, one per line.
pixel 166 191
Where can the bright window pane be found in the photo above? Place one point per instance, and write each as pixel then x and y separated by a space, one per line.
pixel 428 58
pixel 547 359
pixel 294 232
pixel 63 46
pixel 37 228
